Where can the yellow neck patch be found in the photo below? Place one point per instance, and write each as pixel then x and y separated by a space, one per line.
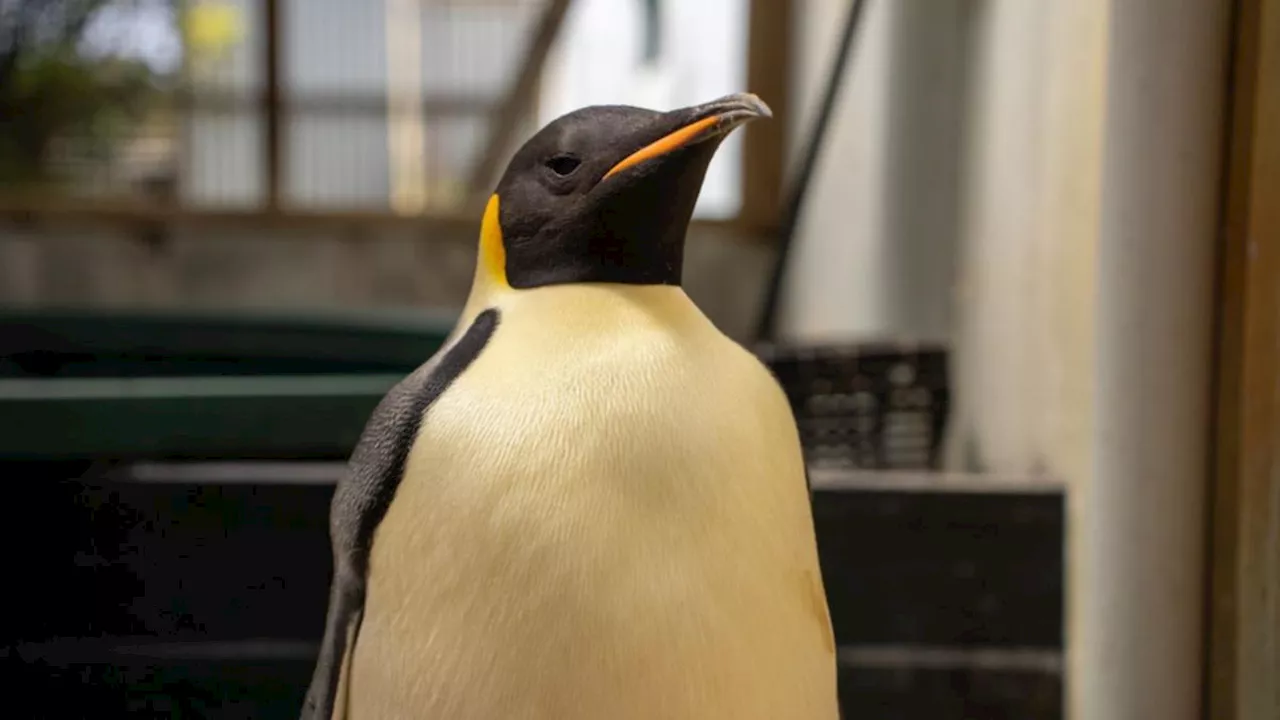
pixel 493 254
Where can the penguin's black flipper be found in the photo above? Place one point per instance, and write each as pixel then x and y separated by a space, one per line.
pixel 364 494
pixel 346 604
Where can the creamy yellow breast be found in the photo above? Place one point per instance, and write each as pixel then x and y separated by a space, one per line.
pixel 604 517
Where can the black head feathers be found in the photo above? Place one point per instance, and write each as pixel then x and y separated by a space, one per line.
pixel 605 193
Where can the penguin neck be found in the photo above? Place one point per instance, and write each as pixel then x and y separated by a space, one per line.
pixel 661 296
pixel 601 310
pixel 490 279
pixel 617 248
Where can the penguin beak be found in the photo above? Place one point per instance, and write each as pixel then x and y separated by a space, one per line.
pixel 689 126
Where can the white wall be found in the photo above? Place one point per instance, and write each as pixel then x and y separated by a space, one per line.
pixel 1138 634
pixel 1085 315
pixel 874 253
pixel 832 289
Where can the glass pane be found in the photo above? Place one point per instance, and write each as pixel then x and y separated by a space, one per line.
pixel 224 134
pixel 399 112
pixel 224 161
pixel 225 46
pixel 337 160
pixel 334 48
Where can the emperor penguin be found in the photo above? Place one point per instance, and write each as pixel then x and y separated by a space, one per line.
pixel 590 504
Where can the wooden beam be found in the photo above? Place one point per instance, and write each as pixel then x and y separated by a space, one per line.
pixel 764 144
pixel 1244 609
pixel 407 150
pixel 272 102
pixel 336 104
pixel 518 99
pixel 432 224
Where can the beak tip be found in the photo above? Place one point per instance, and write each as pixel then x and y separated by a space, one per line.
pixel 756 105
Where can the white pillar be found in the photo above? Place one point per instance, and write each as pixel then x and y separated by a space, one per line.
pixel 406 123
pixel 1085 315
pixel 1000 292
pixel 1063 336
pixel 1137 579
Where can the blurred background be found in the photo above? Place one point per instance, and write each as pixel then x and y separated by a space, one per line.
pixel 1015 264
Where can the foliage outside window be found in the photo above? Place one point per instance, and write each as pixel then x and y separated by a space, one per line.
pixel 62 105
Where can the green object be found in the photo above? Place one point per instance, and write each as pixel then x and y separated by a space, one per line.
pixel 98 385
pixel 66 343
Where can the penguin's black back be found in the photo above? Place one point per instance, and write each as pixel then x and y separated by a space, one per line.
pixel 365 493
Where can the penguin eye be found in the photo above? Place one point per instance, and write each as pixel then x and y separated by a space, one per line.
pixel 563 165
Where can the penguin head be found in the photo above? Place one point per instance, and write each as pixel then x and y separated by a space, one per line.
pixel 605 194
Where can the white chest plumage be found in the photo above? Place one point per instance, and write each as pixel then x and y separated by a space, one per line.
pixel 603 517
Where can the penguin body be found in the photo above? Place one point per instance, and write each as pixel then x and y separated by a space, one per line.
pixel 590 504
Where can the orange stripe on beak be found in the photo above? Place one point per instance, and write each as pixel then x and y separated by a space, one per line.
pixel 674 141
